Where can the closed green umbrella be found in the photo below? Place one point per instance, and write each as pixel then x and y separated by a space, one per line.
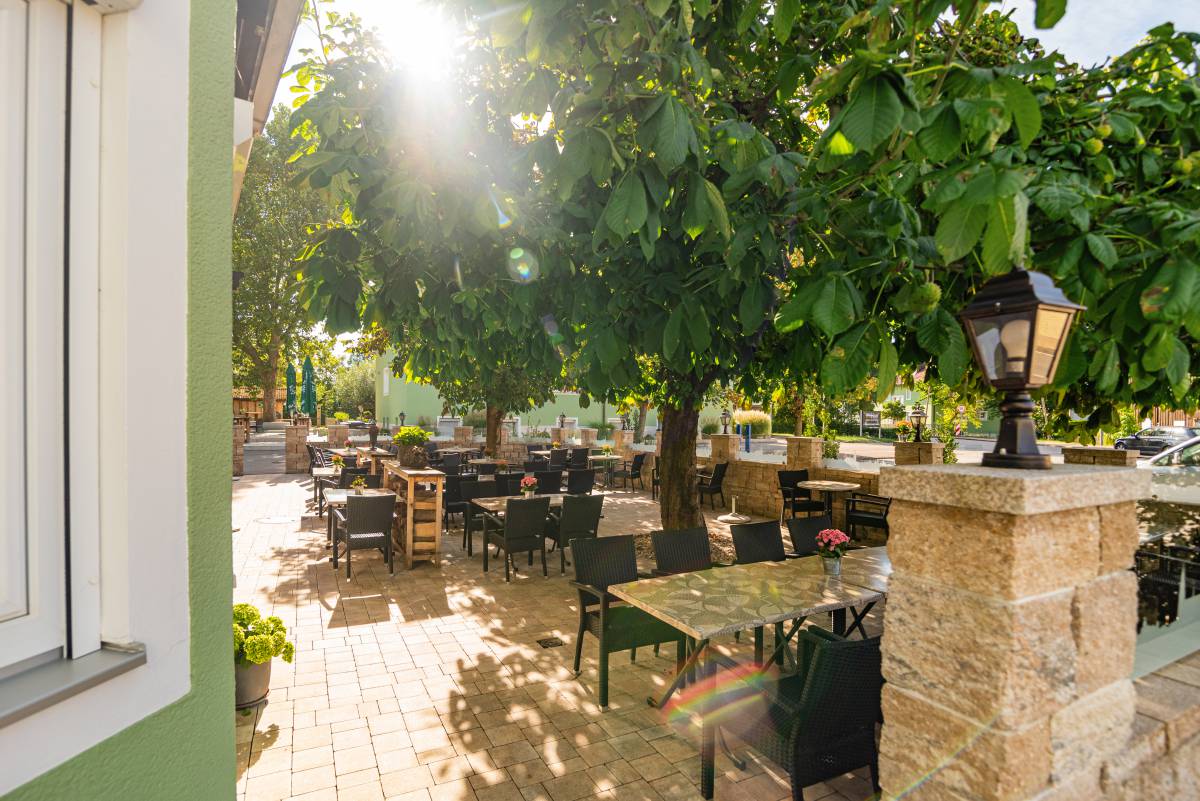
pixel 308 389
pixel 289 405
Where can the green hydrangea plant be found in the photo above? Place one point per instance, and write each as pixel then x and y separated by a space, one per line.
pixel 411 435
pixel 258 639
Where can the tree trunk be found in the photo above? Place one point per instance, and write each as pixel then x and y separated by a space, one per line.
pixel 677 468
pixel 643 414
pixel 798 411
pixel 495 417
pixel 270 375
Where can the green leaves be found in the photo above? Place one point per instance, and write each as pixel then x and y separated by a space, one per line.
pixel 671 133
pixel 705 206
pixel 849 358
pixel 959 230
pixel 1173 291
pixel 626 209
pixel 1101 247
pixel 1049 12
pixel 786 12
pixel 1106 368
pixel 1004 242
pixel 873 113
pixel 939 333
pixel 836 304
pixel 1024 108
pixel 942 136
pixel 889 362
pixel 658 8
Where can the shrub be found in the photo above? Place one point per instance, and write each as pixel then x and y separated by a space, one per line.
pixel 257 639
pixel 475 419
pixel 893 410
pixel 759 422
pixel 341 417
pixel 410 435
pixel 830 447
pixel 709 426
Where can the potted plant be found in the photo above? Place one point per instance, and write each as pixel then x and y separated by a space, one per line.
pixel 555 444
pixel 607 450
pixel 409 441
pixel 349 444
pixel 528 486
pixel 373 431
pixel 338 463
pixel 903 430
pixel 256 641
pixel 831 544
pixel 358 485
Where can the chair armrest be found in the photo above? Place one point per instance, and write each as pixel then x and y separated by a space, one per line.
pixel 589 589
pixel 853 504
pixel 793 556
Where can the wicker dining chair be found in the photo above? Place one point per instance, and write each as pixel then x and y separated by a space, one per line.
pixel 340 481
pixel 631 471
pixel 797 499
pixel 578 459
pixel 802 531
pixel 578 517
pixel 580 482
pixel 549 482
pixel 472 515
pixel 681 551
pixel 759 542
pixel 820 722
pixel 366 522
pixel 599 563
pixel 521 529
pixel 713 485
pixel 558 457
pixel 863 509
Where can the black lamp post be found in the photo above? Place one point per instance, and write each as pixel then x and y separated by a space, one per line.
pixel 725 418
pixel 402 415
pixel 1018 325
pixel 562 420
pixel 917 417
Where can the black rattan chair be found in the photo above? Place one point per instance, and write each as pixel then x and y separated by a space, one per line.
pixel 472 515
pixel 340 481
pixel 819 723
pixel 534 465
pixel 655 483
pixel 522 529
pixel 712 485
pixel 558 457
pixel 802 531
pixel 681 551
pixel 549 482
pixel 509 483
pixel 365 523
pixel 631 471
pixel 452 496
pixel 580 482
pixel 485 469
pixel 599 563
pixel 867 510
pixel 578 518
pixel 797 499
pixel 759 542
pixel 578 459
pixel 451 463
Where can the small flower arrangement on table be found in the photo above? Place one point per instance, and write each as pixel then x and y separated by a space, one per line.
pixel 528 485
pixel 555 444
pixel 831 545
pixel 349 444
pixel 338 462
pixel 501 465
pixel 607 450
pixel 358 485
pixel 903 430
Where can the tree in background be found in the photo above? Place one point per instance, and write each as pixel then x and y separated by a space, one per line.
pixel 353 388
pixel 270 228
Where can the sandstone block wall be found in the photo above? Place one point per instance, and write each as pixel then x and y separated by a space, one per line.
pixel 295 453
pixel 919 452
pixel 1086 454
pixel 239 449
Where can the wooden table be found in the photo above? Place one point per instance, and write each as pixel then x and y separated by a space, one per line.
pixel 607 462
pixel 497 505
pixel 710 603
pixel 827 489
pixel 457 449
pixel 374 456
pixel 319 473
pixel 418 538
pixel 335 498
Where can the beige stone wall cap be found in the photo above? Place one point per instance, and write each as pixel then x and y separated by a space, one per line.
pixel 1022 492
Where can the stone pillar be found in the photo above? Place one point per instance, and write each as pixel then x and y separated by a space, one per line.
pixel 724 447
pixel 919 452
pixel 336 435
pixel 658 442
pixel 1111 457
pixel 1010 628
pixel 239 449
pixel 464 435
pixel 804 453
pixel 295 454
pixel 559 435
pixel 587 436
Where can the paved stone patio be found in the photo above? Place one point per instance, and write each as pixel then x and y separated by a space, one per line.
pixel 430 686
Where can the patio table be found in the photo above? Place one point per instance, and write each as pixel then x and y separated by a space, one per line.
pixel 719 601
pixel 375 456
pixel 606 461
pixel 319 473
pixel 827 490
pixel 544 454
pixel 335 498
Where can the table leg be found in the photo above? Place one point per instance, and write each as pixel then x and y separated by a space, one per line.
pixel 689 663
pixel 858 620
pixel 839 622
pixel 708 677
pixel 828 504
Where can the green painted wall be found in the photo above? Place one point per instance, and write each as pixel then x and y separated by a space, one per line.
pixel 185 751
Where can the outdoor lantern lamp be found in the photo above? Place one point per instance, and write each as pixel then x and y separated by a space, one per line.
pixel 1018 325
pixel 725 418
pixel 917 418
pixel 562 420
pixel 402 416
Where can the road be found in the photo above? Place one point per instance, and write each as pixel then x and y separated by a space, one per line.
pixel 970 451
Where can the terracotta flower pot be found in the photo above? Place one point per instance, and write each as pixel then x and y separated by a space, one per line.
pixel 252 683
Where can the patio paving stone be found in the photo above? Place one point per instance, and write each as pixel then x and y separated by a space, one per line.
pixel 429 685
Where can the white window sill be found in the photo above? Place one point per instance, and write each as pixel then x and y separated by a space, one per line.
pixel 37 688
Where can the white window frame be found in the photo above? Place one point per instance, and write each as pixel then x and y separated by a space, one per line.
pixel 126 233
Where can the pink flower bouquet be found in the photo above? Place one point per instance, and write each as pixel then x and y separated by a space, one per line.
pixel 832 543
pixel 528 484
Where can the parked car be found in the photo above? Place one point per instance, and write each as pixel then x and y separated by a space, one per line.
pixel 1177 474
pixel 1156 439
